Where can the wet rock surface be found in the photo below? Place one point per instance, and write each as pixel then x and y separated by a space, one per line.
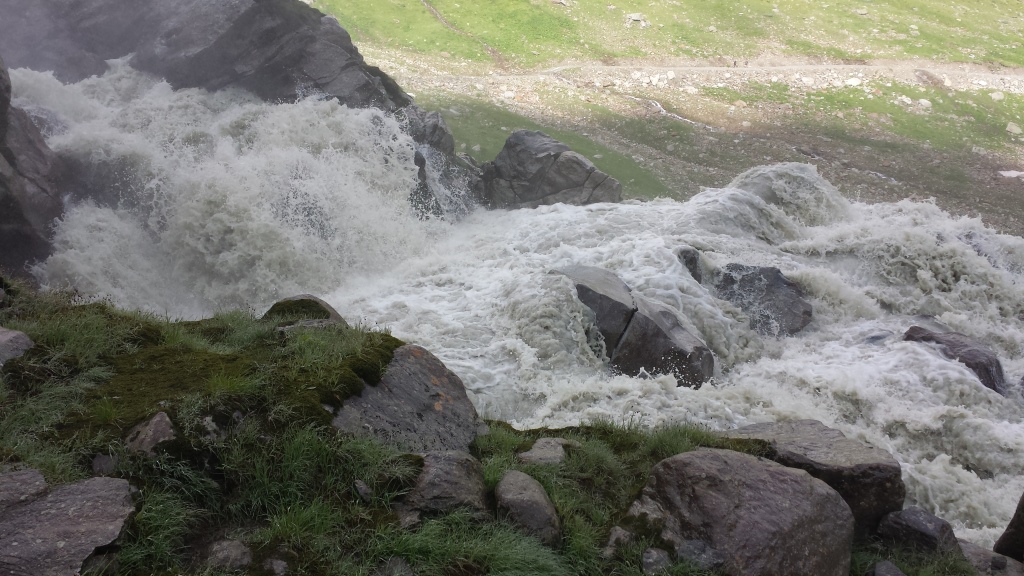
pixel 657 343
pixel 981 359
pixel 868 478
pixel 761 517
pixel 607 296
pixel 775 304
pixel 419 405
pixel 1011 541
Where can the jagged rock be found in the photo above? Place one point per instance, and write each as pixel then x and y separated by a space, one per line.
pixel 306 306
pixel 775 304
pixel 546 451
pixel 147 436
pixel 13 344
pixel 523 501
pixel 419 404
pixel 915 528
pixel 607 296
pixel 228 555
pixel 884 568
pixel 429 128
pixel 450 481
pixel 54 534
pixel 868 478
pixel 989 562
pixel 534 169
pixel 20 486
pixel 762 517
pixel 690 258
pixel 655 342
pixel 966 350
pixel 1011 542
pixel 655 561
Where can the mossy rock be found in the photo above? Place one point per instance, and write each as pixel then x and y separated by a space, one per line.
pixel 303 307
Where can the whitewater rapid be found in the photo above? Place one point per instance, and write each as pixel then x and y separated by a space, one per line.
pixel 226 201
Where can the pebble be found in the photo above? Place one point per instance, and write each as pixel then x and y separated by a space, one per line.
pixel 997 96
pixel 853 81
pixel 1013 128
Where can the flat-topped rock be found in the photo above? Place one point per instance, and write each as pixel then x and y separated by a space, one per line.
pixel 868 478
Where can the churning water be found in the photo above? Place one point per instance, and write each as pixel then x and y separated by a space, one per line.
pixel 225 201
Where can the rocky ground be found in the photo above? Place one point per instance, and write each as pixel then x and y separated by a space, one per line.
pixel 867 160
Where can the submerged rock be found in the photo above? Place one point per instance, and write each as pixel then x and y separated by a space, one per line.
pixel 419 405
pixel 655 342
pixel 981 359
pixel 534 169
pixel 761 517
pixel 775 304
pixel 869 479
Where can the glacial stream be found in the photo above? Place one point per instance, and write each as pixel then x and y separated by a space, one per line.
pixel 218 201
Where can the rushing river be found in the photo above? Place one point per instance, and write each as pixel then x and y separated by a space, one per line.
pixel 224 201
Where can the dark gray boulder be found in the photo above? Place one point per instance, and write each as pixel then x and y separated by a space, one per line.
pixel 534 169
pixel 981 359
pixel 775 304
pixel 690 258
pixel 1011 541
pixel 419 405
pixel 608 298
pixel 918 529
pixel 523 502
pixel 761 517
pixel 53 535
pixel 656 343
pixel 869 479
pixel 450 480
pixel 13 344
pixel 988 562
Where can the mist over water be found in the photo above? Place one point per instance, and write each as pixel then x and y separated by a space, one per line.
pixel 233 202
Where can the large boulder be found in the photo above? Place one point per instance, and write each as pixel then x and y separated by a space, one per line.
pixel 656 342
pixel 869 479
pixel 762 518
pixel 534 169
pixel 981 359
pixel 419 405
pixel 54 534
pixel 775 304
pixel 1011 542
pixel 607 296
pixel 523 502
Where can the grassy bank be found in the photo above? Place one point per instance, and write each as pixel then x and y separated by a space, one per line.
pixel 256 460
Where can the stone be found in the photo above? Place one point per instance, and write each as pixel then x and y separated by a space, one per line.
pixel 655 561
pixel 533 169
pixel 305 306
pixel 524 503
pixel 775 304
pixel 364 491
pixel 20 486
pixel 617 537
pixel 607 296
pixel 53 535
pixel 13 344
pixel 869 479
pixel 761 517
pixel 450 481
pixel 885 568
pixel 915 528
pixel 981 359
pixel 690 258
pixel 104 465
pixel 989 562
pixel 147 436
pixel 395 566
pixel 655 342
pixel 1013 128
pixel 997 96
pixel 419 405
pixel 228 555
pixel 275 566
pixel 546 451
pixel 1011 541
pixel 698 553
pixel 429 128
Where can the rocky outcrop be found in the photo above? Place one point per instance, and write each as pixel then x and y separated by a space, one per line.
pixel 523 502
pixel 641 335
pixel 981 359
pixel 775 304
pixel 419 404
pixel 13 344
pixel 869 479
pixel 450 480
pixel 29 201
pixel 918 529
pixel 534 169
pixel 761 517
pixel 1011 542
pixel 53 534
